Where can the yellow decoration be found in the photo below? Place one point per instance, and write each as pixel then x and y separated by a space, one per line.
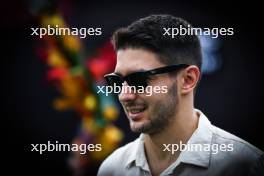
pixel 109 138
pixel 89 125
pixel 70 88
pixel 53 21
pixel 55 59
pixel 71 42
pixel 112 134
pixel 110 113
pixel 90 102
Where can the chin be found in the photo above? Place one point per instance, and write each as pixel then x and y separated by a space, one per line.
pixel 138 127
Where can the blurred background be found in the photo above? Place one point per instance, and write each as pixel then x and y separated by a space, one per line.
pixel 39 104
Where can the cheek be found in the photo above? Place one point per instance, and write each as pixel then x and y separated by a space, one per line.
pixel 152 102
pixel 161 98
pixel 160 86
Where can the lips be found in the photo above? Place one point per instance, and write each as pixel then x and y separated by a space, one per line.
pixel 135 112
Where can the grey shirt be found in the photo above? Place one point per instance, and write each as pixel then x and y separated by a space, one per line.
pixel 235 160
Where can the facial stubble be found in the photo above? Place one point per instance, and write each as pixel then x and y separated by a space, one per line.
pixel 162 113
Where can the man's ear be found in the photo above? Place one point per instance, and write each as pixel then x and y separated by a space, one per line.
pixel 189 79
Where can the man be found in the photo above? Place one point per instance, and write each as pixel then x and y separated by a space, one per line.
pixel 175 139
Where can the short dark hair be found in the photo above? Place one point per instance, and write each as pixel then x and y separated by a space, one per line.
pixel 147 33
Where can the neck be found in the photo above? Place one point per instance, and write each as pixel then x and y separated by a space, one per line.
pixel 184 123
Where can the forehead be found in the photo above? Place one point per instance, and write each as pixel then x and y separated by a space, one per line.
pixel 131 60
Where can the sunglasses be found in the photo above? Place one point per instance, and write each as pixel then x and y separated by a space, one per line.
pixel 140 79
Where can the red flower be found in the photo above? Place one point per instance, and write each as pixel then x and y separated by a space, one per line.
pixel 104 62
pixel 56 74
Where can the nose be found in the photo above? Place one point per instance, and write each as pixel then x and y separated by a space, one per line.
pixel 127 93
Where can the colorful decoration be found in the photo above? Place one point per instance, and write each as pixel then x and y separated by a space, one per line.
pixel 76 78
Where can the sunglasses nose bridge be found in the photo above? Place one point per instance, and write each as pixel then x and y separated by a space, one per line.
pixel 126 94
pixel 124 86
pixel 124 83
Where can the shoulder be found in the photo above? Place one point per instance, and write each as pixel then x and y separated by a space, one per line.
pixel 235 151
pixel 118 159
pixel 239 145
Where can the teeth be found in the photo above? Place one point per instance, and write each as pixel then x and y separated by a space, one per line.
pixel 134 111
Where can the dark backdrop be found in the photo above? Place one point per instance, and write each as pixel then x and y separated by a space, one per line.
pixel 231 97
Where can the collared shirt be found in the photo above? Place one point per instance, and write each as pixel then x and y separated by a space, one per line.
pixel 222 154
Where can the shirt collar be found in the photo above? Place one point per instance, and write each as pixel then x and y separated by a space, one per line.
pixel 137 155
pixel 202 135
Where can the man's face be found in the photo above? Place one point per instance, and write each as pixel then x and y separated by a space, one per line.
pixel 147 114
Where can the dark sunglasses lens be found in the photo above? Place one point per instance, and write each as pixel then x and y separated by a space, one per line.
pixel 138 80
pixel 114 80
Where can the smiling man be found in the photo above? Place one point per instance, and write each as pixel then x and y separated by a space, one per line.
pixel 175 138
